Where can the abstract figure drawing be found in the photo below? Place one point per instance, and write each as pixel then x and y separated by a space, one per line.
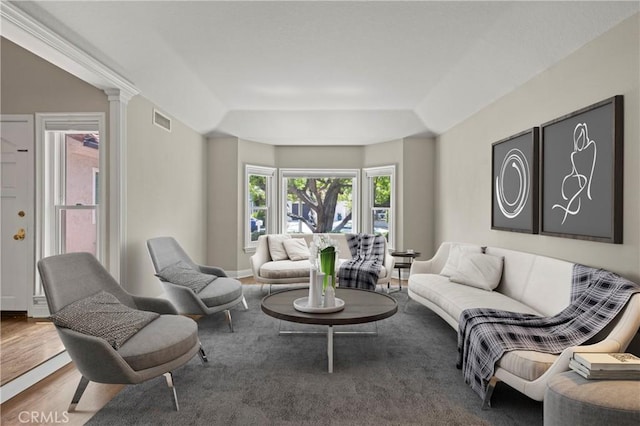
pixel 518 161
pixel 583 163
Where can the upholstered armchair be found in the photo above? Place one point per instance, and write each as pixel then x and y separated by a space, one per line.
pixel 84 298
pixel 213 291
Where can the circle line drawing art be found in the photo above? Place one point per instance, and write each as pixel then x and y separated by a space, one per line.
pixel 512 208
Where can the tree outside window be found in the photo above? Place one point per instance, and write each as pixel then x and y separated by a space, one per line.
pixel 259 206
pixel 381 210
pixel 380 201
pixel 320 201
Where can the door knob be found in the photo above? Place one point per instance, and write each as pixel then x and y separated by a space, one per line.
pixel 20 235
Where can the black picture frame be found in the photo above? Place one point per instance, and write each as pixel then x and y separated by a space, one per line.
pixel 582 173
pixel 514 183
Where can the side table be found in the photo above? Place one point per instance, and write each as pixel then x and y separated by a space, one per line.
pixel 572 399
pixel 407 259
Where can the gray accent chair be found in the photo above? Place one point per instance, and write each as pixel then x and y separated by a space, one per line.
pixel 161 346
pixel 221 294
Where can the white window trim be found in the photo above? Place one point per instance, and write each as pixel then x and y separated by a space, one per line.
pixel 47 178
pixel 367 174
pixel 353 174
pixel 270 173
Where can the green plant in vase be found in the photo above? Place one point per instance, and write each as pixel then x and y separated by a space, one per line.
pixel 327 250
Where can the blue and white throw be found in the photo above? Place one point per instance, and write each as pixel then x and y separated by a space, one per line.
pixel 367 256
pixel 484 335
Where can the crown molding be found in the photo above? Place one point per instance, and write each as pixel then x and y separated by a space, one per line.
pixel 26 31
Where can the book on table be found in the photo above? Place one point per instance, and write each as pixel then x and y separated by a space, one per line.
pixel 607 361
pixel 603 374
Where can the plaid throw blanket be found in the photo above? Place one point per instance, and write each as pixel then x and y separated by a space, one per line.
pixel 484 335
pixel 367 254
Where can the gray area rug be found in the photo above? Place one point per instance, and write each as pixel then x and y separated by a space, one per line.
pixel 405 375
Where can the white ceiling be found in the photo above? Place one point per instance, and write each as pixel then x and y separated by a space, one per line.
pixel 295 73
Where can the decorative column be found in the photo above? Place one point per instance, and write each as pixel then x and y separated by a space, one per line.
pixel 117 232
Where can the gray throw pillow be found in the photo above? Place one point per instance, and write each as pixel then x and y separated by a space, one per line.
pixel 102 315
pixel 182 273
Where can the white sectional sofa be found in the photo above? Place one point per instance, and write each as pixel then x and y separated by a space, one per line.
pixel 529 284
pixel 287 271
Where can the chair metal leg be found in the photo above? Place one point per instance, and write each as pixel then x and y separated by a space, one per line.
pixel 228 314
pixel 486 404
pixel 203 356
pixel 82 385
pixel 244 302
pixel 169 378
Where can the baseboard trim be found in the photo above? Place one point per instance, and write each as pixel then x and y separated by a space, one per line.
pixel 243 273
pixel 33 376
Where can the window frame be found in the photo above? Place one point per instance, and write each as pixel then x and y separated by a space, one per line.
pixel 271 191
pixel 353 174
pixel 368 174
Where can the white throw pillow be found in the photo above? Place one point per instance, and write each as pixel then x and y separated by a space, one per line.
pixel 455 254
pixel 296 248
pixel 479 270
pixel 276 248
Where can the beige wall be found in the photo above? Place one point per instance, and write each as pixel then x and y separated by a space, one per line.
pixel 166 192
pixel 224 193
pixel 319 157
pixel 414 159
pixel 418 186
pixel 30 84
pixel 605 67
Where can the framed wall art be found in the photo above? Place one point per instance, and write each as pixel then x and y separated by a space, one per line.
pixel 514 183
pixel 581 173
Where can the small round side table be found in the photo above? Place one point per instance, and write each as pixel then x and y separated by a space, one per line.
pixel 572 399
pixel 407 259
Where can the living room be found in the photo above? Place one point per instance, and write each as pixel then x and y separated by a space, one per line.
pixel 191 185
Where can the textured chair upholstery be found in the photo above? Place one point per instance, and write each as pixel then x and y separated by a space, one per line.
pixel 161 346
pixel 220 295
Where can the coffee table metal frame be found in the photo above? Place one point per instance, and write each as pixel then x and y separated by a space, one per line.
pixel 361 306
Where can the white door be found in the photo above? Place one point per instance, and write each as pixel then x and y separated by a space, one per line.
pixel 18 236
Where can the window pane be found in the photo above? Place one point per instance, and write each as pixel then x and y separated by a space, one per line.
pixel 319 204
pixel 81 167
pixel 382 191
pixel 380 220
pixel 257 191
pixel 78 231
pixel 257 223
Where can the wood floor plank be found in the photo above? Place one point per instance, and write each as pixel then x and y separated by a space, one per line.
pixel 50 398
pixel 26 343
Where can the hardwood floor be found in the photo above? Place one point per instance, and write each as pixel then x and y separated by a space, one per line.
pixel 26 343
pixel 49 399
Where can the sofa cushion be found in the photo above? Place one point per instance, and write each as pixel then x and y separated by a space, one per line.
pixel 528 365
pixel 453 298
pixel 285 269
pixel 102 315
pixel 455 254
pixel 479 270
pixel 296 248
pixel 221 291
pixel 161 341
pixel 181 273
pixel 276 247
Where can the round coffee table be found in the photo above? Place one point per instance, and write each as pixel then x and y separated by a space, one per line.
pixel 361 306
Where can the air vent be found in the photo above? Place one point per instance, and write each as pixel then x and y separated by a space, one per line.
pixel 161 120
